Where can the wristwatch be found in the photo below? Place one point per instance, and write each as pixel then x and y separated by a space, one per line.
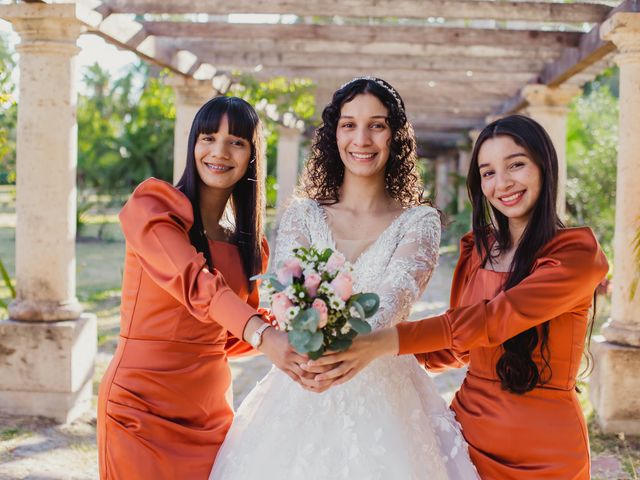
pixel 256 338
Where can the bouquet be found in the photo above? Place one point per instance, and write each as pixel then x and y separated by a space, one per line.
pixel 312 298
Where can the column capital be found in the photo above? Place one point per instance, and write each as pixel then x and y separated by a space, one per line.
pixel 623 29
pixel 190 91
pixel 46 28
pixel 538 95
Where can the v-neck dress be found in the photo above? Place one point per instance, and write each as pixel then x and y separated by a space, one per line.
pixel 540 434
pixel 389 422
pixel 162 410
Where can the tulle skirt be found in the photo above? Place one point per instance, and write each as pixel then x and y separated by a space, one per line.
pixel 389 422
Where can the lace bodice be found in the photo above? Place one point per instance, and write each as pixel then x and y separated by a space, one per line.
pixel 397 266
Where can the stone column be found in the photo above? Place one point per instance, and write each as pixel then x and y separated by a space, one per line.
pixel 191 94
pixel 48 346
pixel 287 173
pixel 615 385
pixel 549 106
pixel 444 183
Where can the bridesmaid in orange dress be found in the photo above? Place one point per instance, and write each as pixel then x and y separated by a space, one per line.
pixel 187 302
pixel 520 301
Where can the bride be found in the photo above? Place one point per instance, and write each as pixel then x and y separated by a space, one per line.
pixel 361 197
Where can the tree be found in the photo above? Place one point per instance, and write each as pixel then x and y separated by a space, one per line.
pixel 8 112
pixel 274 99
pixel 125 131
pixel 592 150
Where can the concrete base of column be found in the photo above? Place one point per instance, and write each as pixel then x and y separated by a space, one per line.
pixel 36 310
pixel 47 367
pixel 615 386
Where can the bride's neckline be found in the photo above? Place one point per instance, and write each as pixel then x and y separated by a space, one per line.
pixel 370 246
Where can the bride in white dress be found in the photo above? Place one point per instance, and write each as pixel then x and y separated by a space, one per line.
pixel 389 422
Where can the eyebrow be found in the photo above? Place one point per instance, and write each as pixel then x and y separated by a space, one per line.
pixel 508 157
pixel 373 116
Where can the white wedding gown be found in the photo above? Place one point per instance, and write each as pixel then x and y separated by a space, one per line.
pixel 388 422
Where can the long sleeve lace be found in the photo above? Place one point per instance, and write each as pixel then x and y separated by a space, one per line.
pixel 410 267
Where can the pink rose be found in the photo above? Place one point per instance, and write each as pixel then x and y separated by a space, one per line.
pixel 311 283
pixel 319 306
pixel 343 286
pixel 336 262
pixel 290 268
pixel 280 303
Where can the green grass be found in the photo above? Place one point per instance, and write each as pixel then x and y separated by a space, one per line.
pixel 11 433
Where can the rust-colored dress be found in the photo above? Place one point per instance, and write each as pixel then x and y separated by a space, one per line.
pixel 541 434
pixel 162 412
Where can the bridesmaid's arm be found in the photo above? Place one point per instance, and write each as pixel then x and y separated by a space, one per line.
pixel 563 279
pixel 156 222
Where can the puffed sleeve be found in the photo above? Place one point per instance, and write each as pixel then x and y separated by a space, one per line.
pixel 156 222
pixel 563 279
pixel 449 358
pixel 234 346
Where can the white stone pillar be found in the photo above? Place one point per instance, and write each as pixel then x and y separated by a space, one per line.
pixel 191 94
pixel 47 348
pixel 549 107
pixel 444 182
pixel 287 173
pixel 615 385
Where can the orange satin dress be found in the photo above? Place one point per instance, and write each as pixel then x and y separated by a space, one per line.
pixel 162 411
pixel 541 434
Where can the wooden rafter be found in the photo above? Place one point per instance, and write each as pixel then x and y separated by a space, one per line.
pixel 409 34
pixel 519 10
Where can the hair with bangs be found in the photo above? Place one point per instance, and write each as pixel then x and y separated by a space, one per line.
pixel 247 197
pixel 324 172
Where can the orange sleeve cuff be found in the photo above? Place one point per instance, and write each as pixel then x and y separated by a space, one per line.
pixel 428 335
pixel 228 310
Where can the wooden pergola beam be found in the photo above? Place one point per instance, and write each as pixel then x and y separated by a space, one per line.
pixel 409 34
pixel 520 10
pixel 258 60
pixel 345 74
pixel 246 44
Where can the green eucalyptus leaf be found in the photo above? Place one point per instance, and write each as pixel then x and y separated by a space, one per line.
pixel 359 308
pixel 306 320
pixel 277 286
pixel 299 340
pixel 315 342
pixel 264 276
pixel 370 303
pixel 316 354
pixel 360 326
pixel 339 344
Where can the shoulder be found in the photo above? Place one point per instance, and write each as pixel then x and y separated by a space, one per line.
pixel 580 241
pixel 300 207
pixel 577 248
pixel 423 215
pixel 156 197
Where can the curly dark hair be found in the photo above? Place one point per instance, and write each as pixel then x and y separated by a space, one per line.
pixel 324 171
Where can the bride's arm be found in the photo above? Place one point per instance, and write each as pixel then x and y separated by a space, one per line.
pixel 407 275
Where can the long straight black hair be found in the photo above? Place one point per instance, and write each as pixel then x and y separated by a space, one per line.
pixel 247 197
pixel 516 369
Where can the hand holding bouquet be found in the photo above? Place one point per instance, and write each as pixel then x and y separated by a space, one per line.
pixel 312 298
